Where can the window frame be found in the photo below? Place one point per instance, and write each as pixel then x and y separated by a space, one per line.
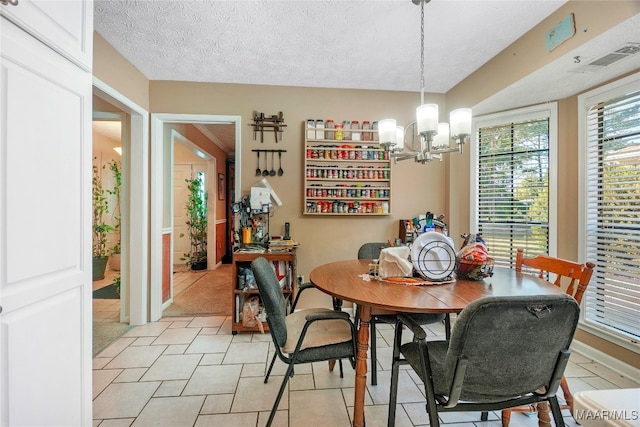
pixel 585 101
pixel 543 111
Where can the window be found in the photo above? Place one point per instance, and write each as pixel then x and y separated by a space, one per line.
pixel 514 182
pixel 610 164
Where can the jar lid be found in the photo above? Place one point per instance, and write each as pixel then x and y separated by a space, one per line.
pixel 354 121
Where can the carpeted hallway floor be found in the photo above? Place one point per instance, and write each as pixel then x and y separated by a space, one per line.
pixel 198 293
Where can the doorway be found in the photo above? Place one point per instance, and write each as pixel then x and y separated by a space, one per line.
pixel 133 306
pixel 163 127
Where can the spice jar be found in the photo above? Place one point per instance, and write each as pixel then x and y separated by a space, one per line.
pixel 329 133
pixel 338 132
pixel 366 125
pixel 320 129
pixel 355 127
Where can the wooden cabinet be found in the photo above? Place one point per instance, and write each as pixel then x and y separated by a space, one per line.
pixel 346 177
pixel 286 269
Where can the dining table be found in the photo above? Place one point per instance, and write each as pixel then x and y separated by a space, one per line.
pixel 350 281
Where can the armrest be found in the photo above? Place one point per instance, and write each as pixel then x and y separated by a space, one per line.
pixel 417 330
pixel 301 287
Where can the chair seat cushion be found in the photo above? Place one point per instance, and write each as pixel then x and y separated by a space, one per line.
pixel 320 333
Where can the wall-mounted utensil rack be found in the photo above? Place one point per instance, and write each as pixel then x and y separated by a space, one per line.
pixel 262 122
pixel 266 171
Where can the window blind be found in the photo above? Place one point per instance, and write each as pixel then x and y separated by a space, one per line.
pixel 613 213
pixel 513 188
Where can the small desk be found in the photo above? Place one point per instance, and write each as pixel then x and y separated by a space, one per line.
pixel 342 280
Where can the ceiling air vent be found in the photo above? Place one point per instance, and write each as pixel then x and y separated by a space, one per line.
pixel 619 54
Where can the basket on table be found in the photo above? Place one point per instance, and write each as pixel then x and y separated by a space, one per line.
pixel 474 270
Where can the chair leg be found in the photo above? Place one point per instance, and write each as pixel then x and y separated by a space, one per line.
pixel 555 410
pixel 374 353
pixel 568 397
pixel 393 390
pixel 274 409
pixel 447 326
pixel 484 416
pixel 273 361
pixel 341 371
pixel 544 419
pixel 506 417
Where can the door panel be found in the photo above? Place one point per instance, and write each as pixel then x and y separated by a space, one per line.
pixel 65 26
pixel 45 227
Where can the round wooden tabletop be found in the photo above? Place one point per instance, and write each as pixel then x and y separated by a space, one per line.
pixel 344 280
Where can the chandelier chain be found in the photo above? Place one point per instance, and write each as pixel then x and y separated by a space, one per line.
pixel 422 52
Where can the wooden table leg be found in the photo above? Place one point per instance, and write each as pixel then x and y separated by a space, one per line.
pixel 364 313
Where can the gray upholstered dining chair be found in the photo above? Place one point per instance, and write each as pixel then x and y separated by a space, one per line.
pixel 503 352
pixel 372 251
pixel 304 336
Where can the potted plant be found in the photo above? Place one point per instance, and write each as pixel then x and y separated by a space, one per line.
pixel 196 225
pixel 114 252
pixel 100 228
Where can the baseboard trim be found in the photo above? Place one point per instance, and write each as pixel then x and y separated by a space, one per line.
pixel 607 360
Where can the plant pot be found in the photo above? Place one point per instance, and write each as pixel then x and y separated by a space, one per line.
pixel 114 262
pixel 99 266
pixel 199 265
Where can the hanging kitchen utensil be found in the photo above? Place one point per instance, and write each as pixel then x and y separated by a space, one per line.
pixel 258 170
pixel 265 172
pixel 272 172
pixel 280 171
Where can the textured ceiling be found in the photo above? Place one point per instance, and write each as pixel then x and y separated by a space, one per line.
pixel 372 44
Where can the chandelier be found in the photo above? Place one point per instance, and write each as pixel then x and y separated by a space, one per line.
pixel 425 139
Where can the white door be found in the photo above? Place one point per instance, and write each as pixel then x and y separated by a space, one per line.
pixel 45 226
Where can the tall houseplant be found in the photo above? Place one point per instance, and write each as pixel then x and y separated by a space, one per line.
pixel 100 228
pixel 115 167
pixel 196 224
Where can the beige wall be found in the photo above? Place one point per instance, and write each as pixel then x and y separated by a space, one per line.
pixel 415 188
pixel 439 186
pixel 113 69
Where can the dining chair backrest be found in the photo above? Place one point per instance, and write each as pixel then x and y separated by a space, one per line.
pixel 511 344
pixel 577 275
pixel 371 250
pixel 272 299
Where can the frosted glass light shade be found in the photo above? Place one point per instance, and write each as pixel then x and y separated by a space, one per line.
pixel 387 131
pixel 460 122
pixel 427 118
pixel 399 137
pixel 442 137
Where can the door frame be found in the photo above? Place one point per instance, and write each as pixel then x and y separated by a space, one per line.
pixel 135 218
pixel 160 151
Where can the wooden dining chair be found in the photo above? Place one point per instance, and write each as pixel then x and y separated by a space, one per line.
pixel 372 251
pixel 573 278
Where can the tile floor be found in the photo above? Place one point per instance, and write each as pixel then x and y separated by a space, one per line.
pixel 191 371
